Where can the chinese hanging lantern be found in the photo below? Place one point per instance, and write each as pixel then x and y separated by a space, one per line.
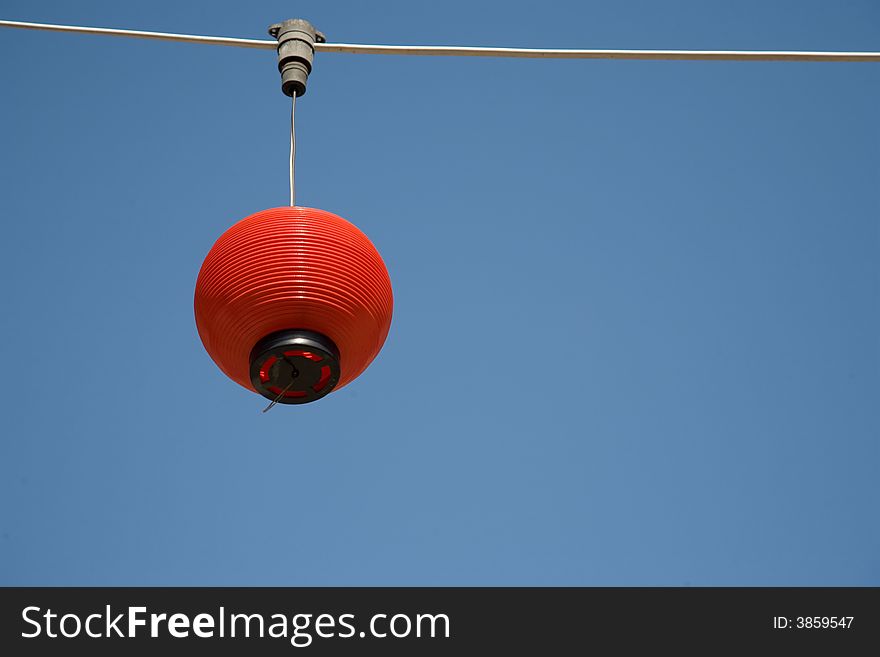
pixel 293 302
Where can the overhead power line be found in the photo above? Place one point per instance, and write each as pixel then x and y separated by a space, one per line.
pixel 471 51
pixel 138 34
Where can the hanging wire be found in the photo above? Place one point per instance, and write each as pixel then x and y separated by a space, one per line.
pixel 292 150
pixel 278 398
pixel 471 51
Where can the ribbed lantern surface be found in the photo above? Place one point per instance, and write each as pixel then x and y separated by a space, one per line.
pixel 293 268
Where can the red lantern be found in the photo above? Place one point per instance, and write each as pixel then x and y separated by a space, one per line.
pixel 292 303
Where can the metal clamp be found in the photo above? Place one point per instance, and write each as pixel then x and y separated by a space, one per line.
pixel 296 50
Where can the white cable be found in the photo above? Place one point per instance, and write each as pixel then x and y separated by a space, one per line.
pixel 469 51
pixel 137 34
pixel 292 150
pixel 556 53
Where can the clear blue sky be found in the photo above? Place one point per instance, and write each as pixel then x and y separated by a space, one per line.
pixel 636 338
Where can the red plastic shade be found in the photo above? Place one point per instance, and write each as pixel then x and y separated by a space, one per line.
pixel 293 268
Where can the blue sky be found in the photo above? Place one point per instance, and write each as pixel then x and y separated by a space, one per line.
pixel 636 337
